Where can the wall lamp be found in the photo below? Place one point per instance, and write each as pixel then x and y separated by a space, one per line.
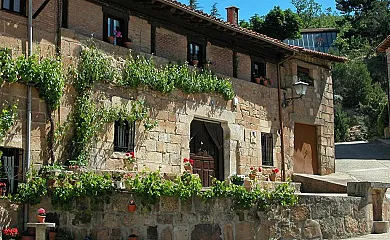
pixel 300 88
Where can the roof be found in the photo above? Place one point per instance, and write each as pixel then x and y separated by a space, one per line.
pixel 245 31
pixel 317 30
pixel 384 45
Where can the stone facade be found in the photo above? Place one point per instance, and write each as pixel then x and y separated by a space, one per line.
pixel 315 217
pixel 165 146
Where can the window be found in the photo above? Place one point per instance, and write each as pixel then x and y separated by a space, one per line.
pixel 267 149
pixel 115 26
pixel 196 53
pixel 304 76
pixel 124 134
pixel 18 6
pixel 258 69
pixel 10 173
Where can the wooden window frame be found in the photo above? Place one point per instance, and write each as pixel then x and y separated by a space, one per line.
pixel 122 17
pixel 259 62
pixel 129 128
pixel 267 149
pixel 202 45
pixel 11 9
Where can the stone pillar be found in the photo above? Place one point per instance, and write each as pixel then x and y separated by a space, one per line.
pixel 41 229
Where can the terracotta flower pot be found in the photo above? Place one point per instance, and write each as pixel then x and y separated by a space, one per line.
pixel 132 238
pixel 252 176
pixel 52 235
pixel 265 82
pixel 257 80
pixel 195 62
pixel 131 207
pixel 127 44
pixel 272 177
pixel 111 39
pixel 41 219
pixel 188 168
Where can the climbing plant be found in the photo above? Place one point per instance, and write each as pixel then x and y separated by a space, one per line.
pixel 8 116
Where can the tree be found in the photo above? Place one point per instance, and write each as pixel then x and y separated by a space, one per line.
pixel 194 4
pixel 341 124
pixel 277 23
pixel 214 11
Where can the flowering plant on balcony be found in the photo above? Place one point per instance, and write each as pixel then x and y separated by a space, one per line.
pixel 10 232
pixel 130 157
pixel 3 185
pixel 117 34
pixel 275 171
pixel 188 162
pixel 41 212
pixel 264 80
pixel 254 170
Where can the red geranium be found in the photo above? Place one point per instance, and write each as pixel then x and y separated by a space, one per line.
pixel 2 184
pixel 275 170
pixel 260 169
pixel 188 162
pixel 10 232
pixel 130 157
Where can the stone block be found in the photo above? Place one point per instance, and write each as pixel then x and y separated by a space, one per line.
pixel 167 234
pixel 180 232
pixel 207 231
pixel 380 226
pixel 299 213
pixel 152 233
pixel 244 231
pixel 169 204
pixel 312 229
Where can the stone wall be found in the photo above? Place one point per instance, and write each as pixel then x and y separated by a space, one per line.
pixel 315 217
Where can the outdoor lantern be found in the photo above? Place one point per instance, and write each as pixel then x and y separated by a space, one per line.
pixel 300 89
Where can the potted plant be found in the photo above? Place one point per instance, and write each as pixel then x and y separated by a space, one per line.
pixel 188 164
pixel 10 233
pixel 127 44
pixel 41 215
pixel 3 188
pixel 209 62
pixel 194 60
pixel 253 172
pixel 257 79
pixel 129 161
pixel 272 176
pixel 118 37
pixel 117 178
pixel 237 180
pixel 132 237
pixel 131 207
pixel 28 234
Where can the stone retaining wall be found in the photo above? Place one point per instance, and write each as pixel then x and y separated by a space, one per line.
pixel 316 217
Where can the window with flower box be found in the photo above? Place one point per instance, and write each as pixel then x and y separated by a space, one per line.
pixel 124 136
pixel 258 69
pixel 115 26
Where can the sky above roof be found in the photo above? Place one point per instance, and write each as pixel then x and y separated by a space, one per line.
pixel 249 7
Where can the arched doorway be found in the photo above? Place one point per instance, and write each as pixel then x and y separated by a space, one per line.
pixel 206 149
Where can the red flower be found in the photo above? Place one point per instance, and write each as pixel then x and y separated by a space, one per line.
pixel 260 169
pixel 127 154
pixel 185 160
pixel 132 154
pixel 191 162
pixel 10 232
pixel 275 170
pixel 251 168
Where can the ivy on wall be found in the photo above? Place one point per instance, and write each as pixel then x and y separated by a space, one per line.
pixel 8 116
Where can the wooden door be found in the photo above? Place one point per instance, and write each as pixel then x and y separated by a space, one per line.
pixel 206 149
pixel 305 149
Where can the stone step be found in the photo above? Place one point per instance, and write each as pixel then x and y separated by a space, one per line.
pixel 322 184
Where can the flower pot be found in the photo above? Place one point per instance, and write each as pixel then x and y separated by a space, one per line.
pixel 132 237
pixel 131 207
pixel 41 219
pixel 252 176
pixel 195 62
pixel 265 82
pixel 52 235
pixel 111 39
pixel 28 238
pixel 272 177
pixel 50 183
pixel 127 44
pixel 188 168
pixel 257 80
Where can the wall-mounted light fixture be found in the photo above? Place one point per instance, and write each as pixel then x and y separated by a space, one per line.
pixel 300 89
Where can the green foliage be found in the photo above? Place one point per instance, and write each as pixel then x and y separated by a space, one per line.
pixel 277 24
pixel 194 4
pixel 46 75
pixel 341 126
pixel 313 16
pixel 140 71
pixel 352 81
pixel 214 11
pixel 32 191
pixel 8 117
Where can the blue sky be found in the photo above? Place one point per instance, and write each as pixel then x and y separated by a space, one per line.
pixel 249 7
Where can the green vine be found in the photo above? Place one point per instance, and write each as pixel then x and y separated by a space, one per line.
pixel 8 116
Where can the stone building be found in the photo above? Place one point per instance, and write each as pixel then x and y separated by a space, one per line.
pixel 384 47
pixel 232 135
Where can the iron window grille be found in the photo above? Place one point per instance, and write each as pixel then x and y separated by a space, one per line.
pixel 11 171
pixel 267 149
pixel 124 136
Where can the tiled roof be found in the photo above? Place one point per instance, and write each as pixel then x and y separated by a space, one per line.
pixel 251 33
pixel 384 45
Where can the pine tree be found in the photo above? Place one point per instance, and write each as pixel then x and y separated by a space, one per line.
pixel 194 4
pixel 214 11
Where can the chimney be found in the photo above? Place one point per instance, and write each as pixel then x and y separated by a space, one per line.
pixel 232 15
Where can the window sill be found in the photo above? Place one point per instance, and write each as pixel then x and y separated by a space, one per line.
pixel 13 12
